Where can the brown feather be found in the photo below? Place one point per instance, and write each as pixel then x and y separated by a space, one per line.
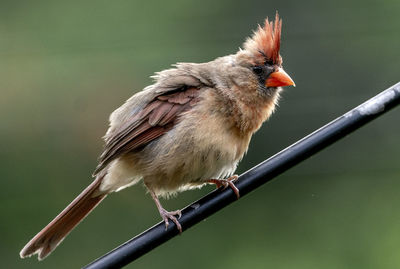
pixel 179 98
pixel 157 114
pixel 176 109
pixel 52 235
pixel 150 123
pixel 146 137
pixel 133 123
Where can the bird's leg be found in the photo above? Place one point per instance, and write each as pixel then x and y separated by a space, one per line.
pixel 165 215
pixel 226 182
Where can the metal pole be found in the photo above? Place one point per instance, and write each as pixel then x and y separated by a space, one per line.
pixel 253 178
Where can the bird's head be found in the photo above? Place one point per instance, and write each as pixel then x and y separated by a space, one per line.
pixel 260 54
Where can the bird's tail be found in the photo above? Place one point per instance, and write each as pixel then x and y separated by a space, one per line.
pixel 52 235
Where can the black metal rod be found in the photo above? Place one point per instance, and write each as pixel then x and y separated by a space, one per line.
pixel 253 178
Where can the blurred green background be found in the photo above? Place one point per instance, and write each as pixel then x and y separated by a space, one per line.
pixel 65 65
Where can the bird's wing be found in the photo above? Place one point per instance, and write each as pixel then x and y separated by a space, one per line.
pixel 154 120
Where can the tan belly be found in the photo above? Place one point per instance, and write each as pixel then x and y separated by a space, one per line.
pixel 192 153
pixel 203 145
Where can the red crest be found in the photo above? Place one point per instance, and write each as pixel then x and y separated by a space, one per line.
pixel 266 41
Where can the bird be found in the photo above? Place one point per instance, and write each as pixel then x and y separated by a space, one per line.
pixel 190 128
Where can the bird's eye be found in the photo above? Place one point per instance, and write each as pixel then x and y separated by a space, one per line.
pixel 257 70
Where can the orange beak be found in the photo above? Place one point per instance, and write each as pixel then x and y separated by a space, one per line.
pixel 279 78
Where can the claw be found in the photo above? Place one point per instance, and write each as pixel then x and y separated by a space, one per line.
pixel 226 182
pixel 166 215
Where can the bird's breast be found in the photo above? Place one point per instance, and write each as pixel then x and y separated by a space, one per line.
pixel 201 146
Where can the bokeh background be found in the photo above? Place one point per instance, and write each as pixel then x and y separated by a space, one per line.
pixel 65 65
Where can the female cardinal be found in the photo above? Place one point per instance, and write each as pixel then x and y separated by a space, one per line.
pixel 190 128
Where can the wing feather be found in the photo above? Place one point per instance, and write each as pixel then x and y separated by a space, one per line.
pixel 154 120
pixel 157 114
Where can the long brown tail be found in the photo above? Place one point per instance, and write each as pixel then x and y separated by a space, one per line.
pixel 52 235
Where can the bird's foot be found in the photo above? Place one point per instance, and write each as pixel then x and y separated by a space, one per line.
pixel 166 215
pixel 228 182
pixel 171 215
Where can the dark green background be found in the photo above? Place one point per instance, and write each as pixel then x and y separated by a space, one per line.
pixel 65 65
